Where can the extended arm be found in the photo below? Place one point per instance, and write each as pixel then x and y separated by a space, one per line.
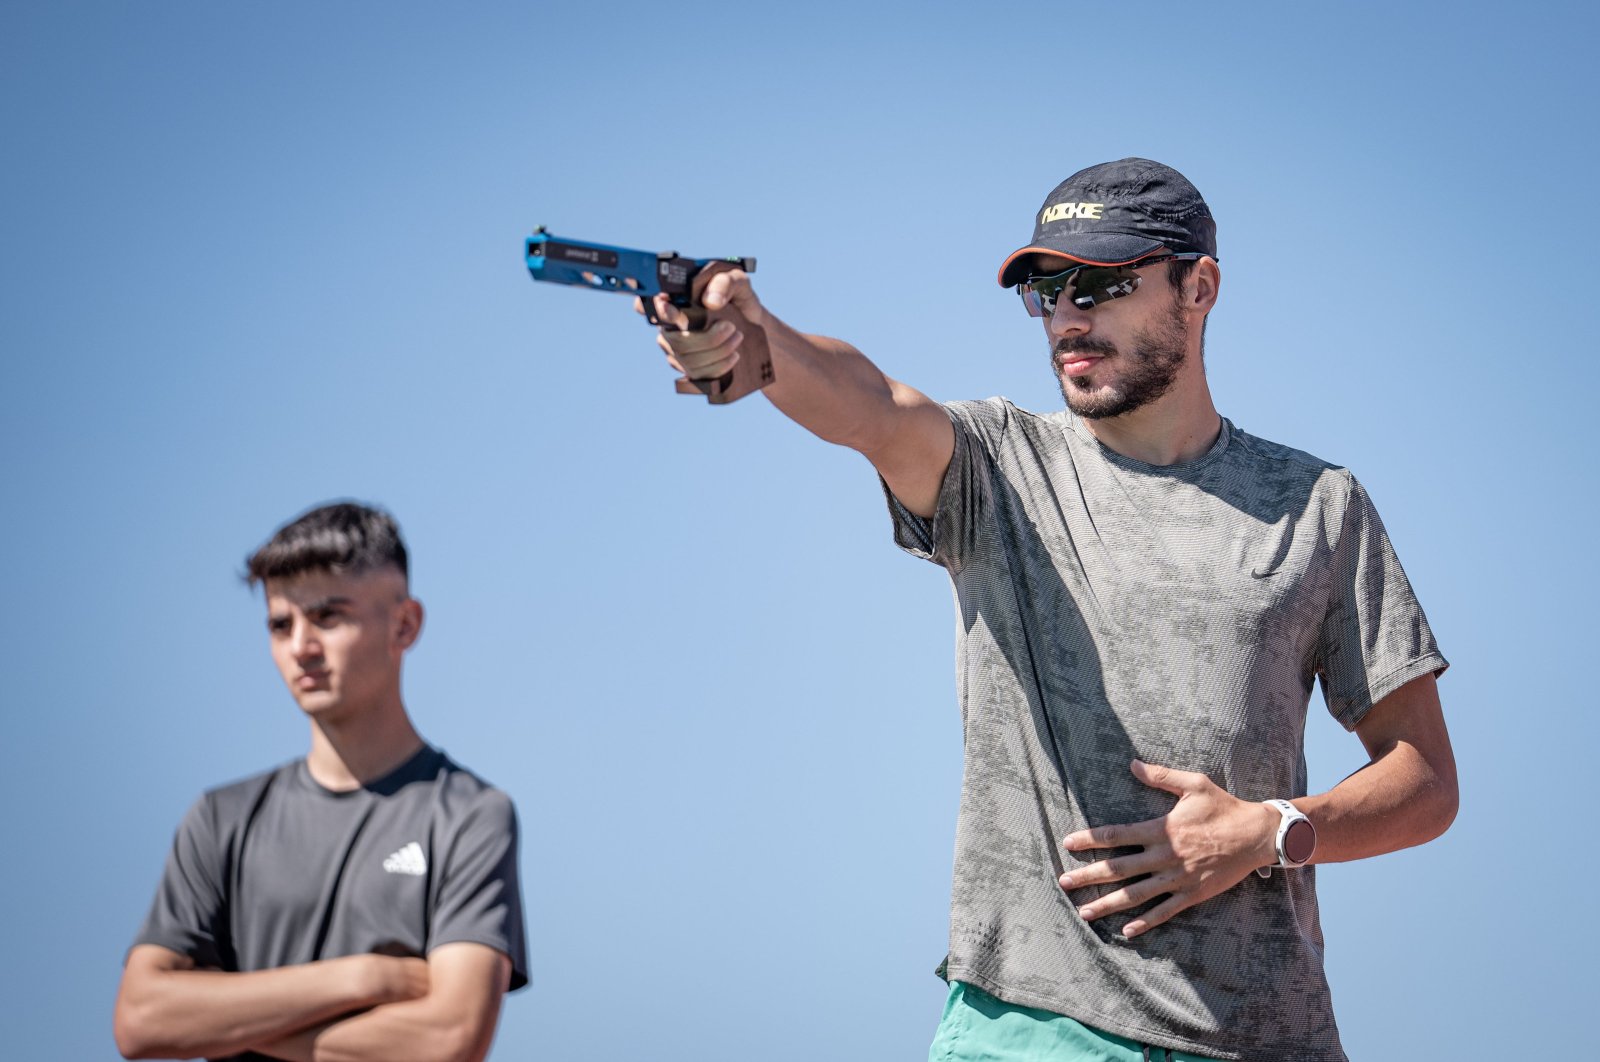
pixel 826 386
pixel 166 1008
pixel 1209 841
pixel 454 1022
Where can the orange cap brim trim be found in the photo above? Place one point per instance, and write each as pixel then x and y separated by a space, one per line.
pixel 1001 276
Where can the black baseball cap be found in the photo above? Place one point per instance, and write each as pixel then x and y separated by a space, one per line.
pixel 1115 213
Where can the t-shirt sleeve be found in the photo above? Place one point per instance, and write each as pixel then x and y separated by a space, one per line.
pixel 965 493
pixel 1374 638
pixel 480 895
pixel 189 914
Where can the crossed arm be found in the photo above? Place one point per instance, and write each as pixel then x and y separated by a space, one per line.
pixel 356 1008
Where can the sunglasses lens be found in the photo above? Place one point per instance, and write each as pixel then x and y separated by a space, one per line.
pixel 1089 286
pixel 1039 294
pixel 1095 286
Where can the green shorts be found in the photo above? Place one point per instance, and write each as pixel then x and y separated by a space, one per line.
pixel 977 1027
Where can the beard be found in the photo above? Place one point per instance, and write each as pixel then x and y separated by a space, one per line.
pixel 1149 368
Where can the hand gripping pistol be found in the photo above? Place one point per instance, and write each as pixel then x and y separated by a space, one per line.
pixel 648 273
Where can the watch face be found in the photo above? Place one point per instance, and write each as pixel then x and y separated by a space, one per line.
pixel 1300 842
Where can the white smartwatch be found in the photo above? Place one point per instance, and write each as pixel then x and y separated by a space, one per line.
pixel 1296 841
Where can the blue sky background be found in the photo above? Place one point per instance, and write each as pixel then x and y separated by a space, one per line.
pixel 255 258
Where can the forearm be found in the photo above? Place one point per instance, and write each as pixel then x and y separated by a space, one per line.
pixel 829 388
pixel 188 1013
pixel 1400 799
pixel 454 1022
pixel 825 385
pixel 401 1032
pixel 1211 839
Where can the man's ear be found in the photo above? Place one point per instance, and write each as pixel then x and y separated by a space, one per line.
pixel 407 623
pixel 1207 280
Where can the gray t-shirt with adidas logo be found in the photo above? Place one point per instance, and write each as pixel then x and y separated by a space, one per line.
pixel 1109 610
pixel 276 871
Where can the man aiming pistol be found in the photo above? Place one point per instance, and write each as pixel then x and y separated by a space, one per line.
pixel 1148 595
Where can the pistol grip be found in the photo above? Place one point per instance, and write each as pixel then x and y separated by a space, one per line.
pixel 752 372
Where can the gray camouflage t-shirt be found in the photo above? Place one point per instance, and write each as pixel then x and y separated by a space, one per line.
pixel 1110 610
pixel 276 871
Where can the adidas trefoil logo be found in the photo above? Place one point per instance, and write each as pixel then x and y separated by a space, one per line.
pixel 409 860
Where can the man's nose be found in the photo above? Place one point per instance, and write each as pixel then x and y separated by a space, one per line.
pixel 303 641
pixel 1068 319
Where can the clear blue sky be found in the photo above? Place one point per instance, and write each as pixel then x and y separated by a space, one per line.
pixel 256 257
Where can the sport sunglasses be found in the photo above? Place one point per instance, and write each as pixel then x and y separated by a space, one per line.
pixel 1090 285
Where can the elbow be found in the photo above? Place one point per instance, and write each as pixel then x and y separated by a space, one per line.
pixel 463 1049
pixel 136 1036
pixel 1441 800
pixel 1448 792
pixel 129 1044
pixel 454 1042
pixel 472 1039
pixel 468 1043
pixel 142 1029
pixel 1449 804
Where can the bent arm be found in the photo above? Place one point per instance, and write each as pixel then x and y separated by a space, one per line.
pixel 1212 840
pixel 454 1022
pixel 827 387
pixel 166 1008
pixel 1406 795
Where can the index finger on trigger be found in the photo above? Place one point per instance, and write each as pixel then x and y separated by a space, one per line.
pixel 668 316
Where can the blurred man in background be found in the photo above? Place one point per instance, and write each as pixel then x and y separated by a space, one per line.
pixel 360 903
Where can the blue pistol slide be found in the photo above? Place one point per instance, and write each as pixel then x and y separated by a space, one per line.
pixel 649 273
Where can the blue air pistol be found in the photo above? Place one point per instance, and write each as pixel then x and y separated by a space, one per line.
pixel 648 273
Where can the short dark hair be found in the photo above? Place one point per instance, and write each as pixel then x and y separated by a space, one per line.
pixel 1178 270
pixel 343 537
